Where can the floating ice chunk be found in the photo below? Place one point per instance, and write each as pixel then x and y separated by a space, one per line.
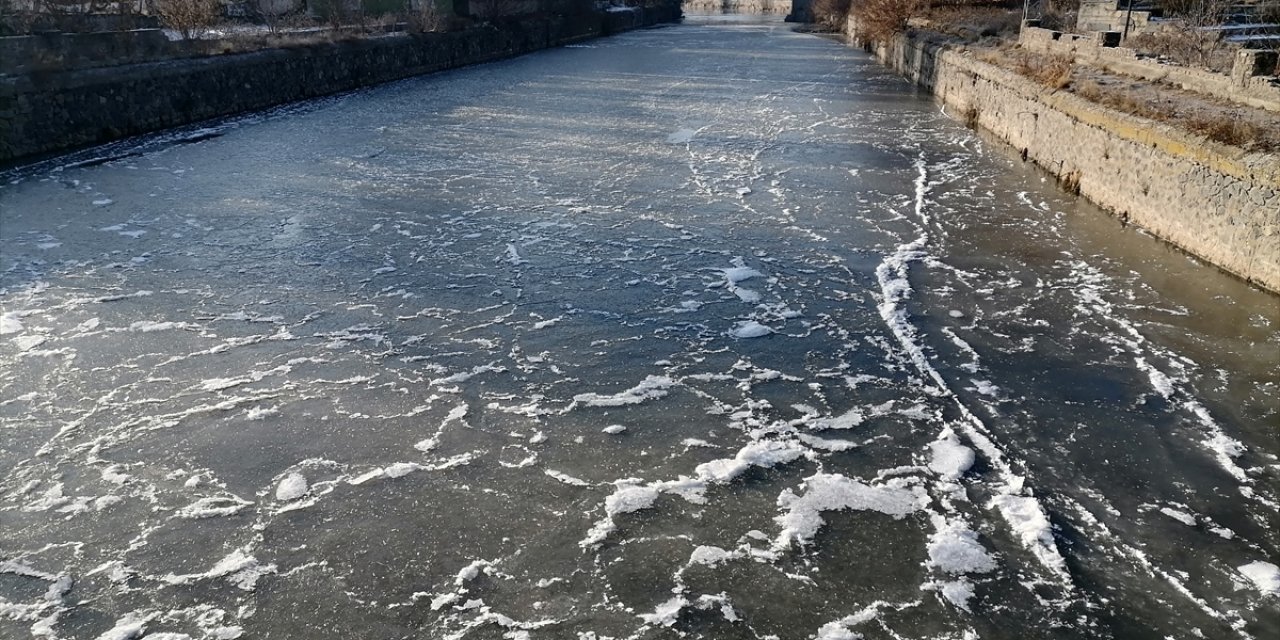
pixel 839 630
pixel 292 487
pixel 9 323
pixel 114 475
pixel 1032 527
pixel 1264 575
pixel 846 420
pixel 750 329
pixel 827 444
pixel 393 471
pixel 132 625
pixel 147 326
pixel 649 388
pixel 566 478
pixel 1180 516
pixel 743 191
pixel 102 202
pixel 218 384
pixel 710 556
pixel 614 429
pixel 426 445
pixel 239 567
pixel 27 343
pixel 833 492
pixel 464 376
pixel 955 549
pixel 667 613
pixel 950 459
pixel 757 454
pixel 740 272
pixel 749 296
pixel 957 592
pixel 630 498
pixel 212 507
pixel 956 313
pixel 258 413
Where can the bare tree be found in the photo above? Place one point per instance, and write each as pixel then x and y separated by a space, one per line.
pixel 190 18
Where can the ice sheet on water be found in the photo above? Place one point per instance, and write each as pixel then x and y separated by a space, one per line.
pixel 802 514
pixel 750 329
pixel 1265 576
pixel 649 388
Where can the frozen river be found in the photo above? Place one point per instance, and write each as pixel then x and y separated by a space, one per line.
pixel 711 331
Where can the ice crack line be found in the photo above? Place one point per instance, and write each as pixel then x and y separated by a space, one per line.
pixel 1020 509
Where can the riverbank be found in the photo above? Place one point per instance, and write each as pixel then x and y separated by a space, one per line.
pixel 1217 202
pixel 43 113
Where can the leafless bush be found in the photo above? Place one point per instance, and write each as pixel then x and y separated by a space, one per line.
pixel 830 15
pixel 426 18
pixel 973 22
pixel 1051 71
pixel 1059 15
pixel 1188 39
pixel 879 19
pixel 189 18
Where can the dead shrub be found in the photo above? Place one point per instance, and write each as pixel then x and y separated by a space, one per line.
pixel 426 18
pixel 830 15
pixel 974 23
pixel 1059 15
pixel 1187 38
pixel 878 20
pixel 1050 71
pixel 1228 130
pixel 190 18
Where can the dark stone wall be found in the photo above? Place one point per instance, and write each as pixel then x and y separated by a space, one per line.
pixel 44 113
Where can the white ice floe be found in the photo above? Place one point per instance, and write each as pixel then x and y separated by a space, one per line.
pixel 131 626
pixel 1265 576
pixel 757 454
pixel 846 420
pixel 667 613
pixel 292 486
pixel 802 514
pixel 148 326
pixel 614 429
pixel 649 388
pixel 566 478
pixel 396 470
pixel 948 458
pixel 955 549
pixel 9 323
pixel 1032 527
pixel 213 507
pixel 710 556
pixel 750 329
pixel 239 568
pixel 1180 516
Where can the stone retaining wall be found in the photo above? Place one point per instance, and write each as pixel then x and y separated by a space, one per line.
pixel 739 6
pixel 1216 202
pixel 44 113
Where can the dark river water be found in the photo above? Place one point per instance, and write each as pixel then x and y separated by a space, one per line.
pixel 709 331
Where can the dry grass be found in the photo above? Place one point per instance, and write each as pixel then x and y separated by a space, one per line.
pixel 1225 126
pixel 1050 71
